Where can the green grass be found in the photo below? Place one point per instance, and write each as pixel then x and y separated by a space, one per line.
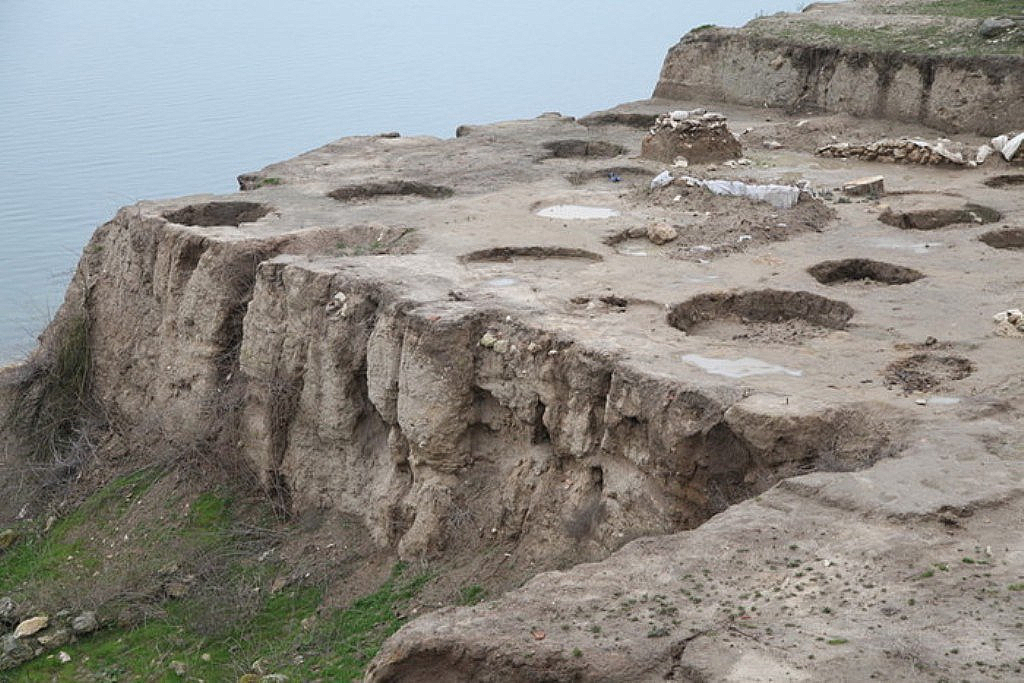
pixel 270 181
pixel 969 9
pixel 335 647
pixel 471 595
pixel 37 558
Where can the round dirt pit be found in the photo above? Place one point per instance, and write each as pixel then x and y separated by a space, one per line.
pixel 1007 238
pixel 926 372
pixel 586 149
pixel 392 188
pixel 765 315
pixel 508 254
pixel 1008 180
pixel 218 213
pixel 862 269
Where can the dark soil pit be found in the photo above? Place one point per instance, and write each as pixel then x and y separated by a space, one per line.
pixel 1006 180
pixel 610 300
pixel 613 174
pixel 859 269
pixel 218 213
pixel 507 254
pixel 1007 238
pixel 765 315
pixel 932 219
pixel 392 188
pixel 620 118
pixel 926 372
pixel 585 149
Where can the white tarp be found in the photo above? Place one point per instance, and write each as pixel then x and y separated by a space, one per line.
pixel 779 196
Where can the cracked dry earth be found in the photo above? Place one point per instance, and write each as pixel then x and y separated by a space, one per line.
pixel 766 404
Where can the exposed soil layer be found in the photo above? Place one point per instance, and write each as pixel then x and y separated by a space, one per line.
pixel 639 120
pixel 583 149
pixel 801 314
pixel 1008 180
pixel 926 372
pixel 391 188
pixel 1007 238
pixel 932 219
pixel 504 254
pixel 218 213
pixel 858 269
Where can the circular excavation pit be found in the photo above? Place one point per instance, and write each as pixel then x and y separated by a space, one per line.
pixel 1007 238
pixel 218 213
pixel 392 188
pixel 862 269
pixel 926 372
pixel 509 254
pixel 766 315
pixel 583 149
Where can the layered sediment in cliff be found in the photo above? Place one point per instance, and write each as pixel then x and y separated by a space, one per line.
pixel 849 59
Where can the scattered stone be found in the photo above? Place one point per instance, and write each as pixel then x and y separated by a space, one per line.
pixel 63 657
pixel 7 538
pixel 1012 150
pixel 771 144
pixel 179 667
pixel 661 233
pixel 85 623
pixel 872 185
pixel 1009 323
pixel 661 180
pixel 501 346
pixel 488 340
pixel 698 136
pixel 984 152
pixel 31 626
pixel 274 678
pixel 779 196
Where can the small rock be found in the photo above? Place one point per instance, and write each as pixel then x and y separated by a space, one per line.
pixel 994 27
pixel 31 626
pixel 176 590
pixel 501 346
pixel 56 639
pixel 14 651
pixel 179 667
pixel 661 180
pixel 249 678
pixel 872 185
pixel 771 144
pixel 274 678
pixel 206 657
pixel 488 340
pixel 661 233
pixel 308 623
pixel 63 657
pixel 6 608
pixel 7 538
pixel 984 152
pixel 85 623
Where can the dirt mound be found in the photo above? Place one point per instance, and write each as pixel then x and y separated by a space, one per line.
pixel 702 138
pixel 857 269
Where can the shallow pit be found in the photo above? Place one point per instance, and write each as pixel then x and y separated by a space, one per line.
pixel 576 212
pixel 392 188
pixel 926 371
pixel 932 219
pixel 507 254
pixel 857 269
pixel 1008 180
pixel 212 214
pixel 1007 238
pixel 764 315
pixel 587 149
pixel 609 174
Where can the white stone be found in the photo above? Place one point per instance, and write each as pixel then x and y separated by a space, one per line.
pixel 31 626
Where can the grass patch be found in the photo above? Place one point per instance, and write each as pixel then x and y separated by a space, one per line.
pixel 471 595
pixel 969 9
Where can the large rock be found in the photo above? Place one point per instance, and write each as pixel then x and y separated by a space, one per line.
pixel 31 626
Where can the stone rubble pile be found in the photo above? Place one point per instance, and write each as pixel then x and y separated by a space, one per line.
pixel 916 151
pixel 901 151
pixel 696 136
pixel 32 636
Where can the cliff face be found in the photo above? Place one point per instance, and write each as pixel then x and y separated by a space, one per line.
pixel 776 62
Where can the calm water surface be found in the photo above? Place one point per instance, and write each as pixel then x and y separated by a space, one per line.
pixel 104 102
